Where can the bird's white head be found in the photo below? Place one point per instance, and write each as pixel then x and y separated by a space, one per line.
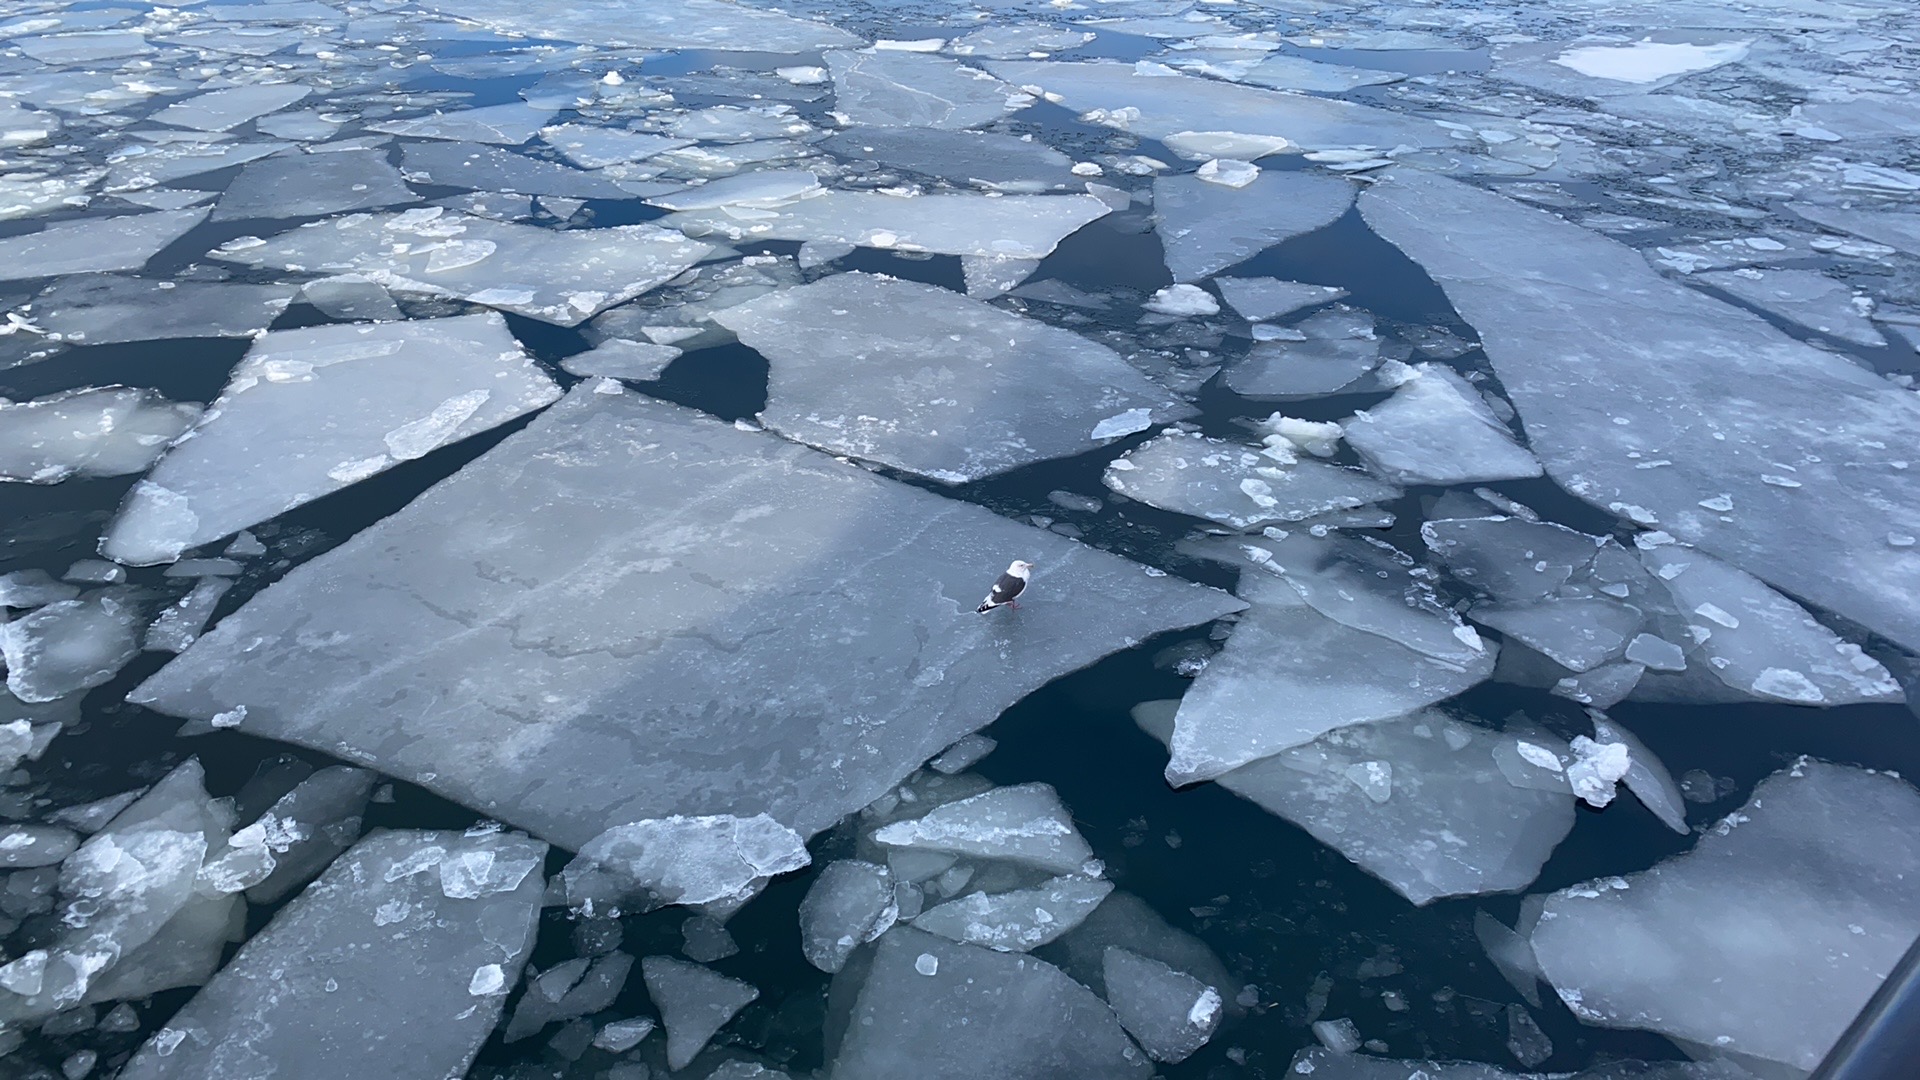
pixel 1020 568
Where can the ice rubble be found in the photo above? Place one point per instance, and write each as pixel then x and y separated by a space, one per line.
pixel 550 627
pixel 689 24
pixel 1418 801
pixel 1584 337
pixel 1763 941
pixel 1018 920
pixel 901 89
pixel 1435 429
pixel 336 404
pixel 1168 1011
pixel 377 962
pixel 70 646
pixel 109 431
pixel 850 903
pixel 87 309
pixel 309 185
pixel 1812 300
pixel 920 1008
pixel 1324 1064
pixel 715 863
pixel 93 244
pixel 1240 486
pixel 694 1003
pixel 954 223
pixel 563 277
pixel 925 380
pixel 1207 227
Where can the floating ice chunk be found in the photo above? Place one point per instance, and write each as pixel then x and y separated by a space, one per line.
pixel 1511 954
pixel 962 755
pixel 689 24
pixel 1596 768
pixel 1025 823
pixel 1372 586
pixel 618 358
pixel 1283 72
pixel 694 1003
pixel 1170 1012
pixel 351 298
pixel 1130 422
pixel 1228 173
pixel 1207 227
pixel 926 380
pixel 1016 226
pixel 219 110
pixel 755 190
pixel 1154 101
pixel 1580 635
pixel 1513 561
pixel 504 125
pixel 1583 333
pixel 1898 229
pixel 1649 61
pixel 368 396
pixel 70 646
pixel 1646 777
pixel 1767 937
pixel 1436 430
pixel 925 1001
pixel 1760 641
pixel 999 161
pixel 103 432
pixel 569 562
pixel 33 588
pixel 1341 1036
pixel 1290 674
pixel 306 185
pixel 1811 299
pixel 329 971
pixel 591 146
pixel 563 277
pixel 1331 351
pixel 715 863
pixel 988 276
pixel 99 310
pixel 1188 473
pixel 575 988
pixel 1019 920
pixel 1451 826
pixel 1260 299
pixel 180 625
pixel 490 168
pixel 1182 300
pixel 1657 653
pixel 320 818
pixel 850 904
pixel 621 1036
pixel 94 244
pixel 1125 921
pixel 23 846
pixel 895 89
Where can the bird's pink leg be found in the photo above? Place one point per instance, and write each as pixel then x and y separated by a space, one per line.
pixel 1014 604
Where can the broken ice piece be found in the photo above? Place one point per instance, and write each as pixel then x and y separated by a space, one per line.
pixel 962 755
pixel 715 863
pixel 1646 776
pixel 694 1004
pixel 1436 429
pixel 1025 823
pixel 618 358
pixel 849 904
pixel 1596 768
pixel 1169 1012
pixel 93 244
pixel 1019 920
pixel 96 432
pixel 70 646
pixel 1182 300
pixel 1208 225
pixel 1239 486
pixel 1261 299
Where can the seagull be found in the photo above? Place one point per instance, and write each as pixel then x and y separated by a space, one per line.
pixel 1006 591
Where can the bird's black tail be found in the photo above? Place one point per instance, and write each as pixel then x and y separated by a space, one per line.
pixel 985 606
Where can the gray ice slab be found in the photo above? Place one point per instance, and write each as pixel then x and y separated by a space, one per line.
pixel 687 24
pixel 924 379
pixel 990 158
pixel 926 1001
pixel 1207 227
pixel 375 963
pixel 309 185
pixel 1016 226
pixel 618 358
pixel 1324 1064
pixel 1588 342
pixel 1170 1012
pixel 901 89
pixel 1282 72
pixel 1895 228
pixel 1767 937
pixel 1810 299
pixel 850 903
pixel 1019 920
pixel 219 110
pixel 504 125
pixel 694 1003
pixel 1151 100
pixel 103 309
pixel 490 168
pixel 1025 823
pixel 310 411
pixel 591 146
pixel 1259 299
pixel 137 168
pixel 601 600
pixel 93 244
pixel 1236 485
pixel 557 276
pixel 109 431
pixel 1435 429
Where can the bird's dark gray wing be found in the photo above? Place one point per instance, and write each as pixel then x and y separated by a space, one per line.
pixel 1006 588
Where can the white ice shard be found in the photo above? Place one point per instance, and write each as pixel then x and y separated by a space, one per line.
pixel 1647 777
pixel 989 158
pixel 1169 1012
pixel 220 110
pixel 1760 642
pixel 1207 227
pixel 1450 824
pixel 336 404
pixel 1325 353
pixel 1435 429
pixel 70 646
pixel 1579 634
pixel 1151 100
pixel 688 24
pixel 1585 338
pixel 591 146
pixel 714 862
pixel 91 245
pixel 1597 767
pixel 1810 299
pixel 321 817
pixel 926 380
pixel 1237 485
pixel 618 358
pixel 556 276
pixel 88 309
pixel 1766 938
pixel 504 125
pixel 1511 954
pixel 1018 920
pixel 955 223
pixel 1898 229
pixel 903 89
pixel 750 191
pixel 490 168
pixel 110 431
pixel 553 617
pixel 1649 61
pixel 373 961
pixel 851 903
pixel 308 185
pixel 1513 561
pixel 1025 823
pixel 573 988
pixel 186 619
pixel 694 1003
pixel 1260 299
pixel 922 1004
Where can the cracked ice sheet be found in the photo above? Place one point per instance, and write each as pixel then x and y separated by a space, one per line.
pixel 1015 226
pixel 1585 338
pixel 563 632
pixel 897 89
pixel 557 277
pixel 926 380
pixel 310 411
pixel 685 24
pixel 93 244
pixel 1150 100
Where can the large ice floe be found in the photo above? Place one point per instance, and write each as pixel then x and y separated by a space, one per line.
pixel 923 379
pixel 336 404
pixel 561 586
pixel 946 223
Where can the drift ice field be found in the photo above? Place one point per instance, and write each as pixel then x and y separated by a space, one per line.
pixel 494 498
